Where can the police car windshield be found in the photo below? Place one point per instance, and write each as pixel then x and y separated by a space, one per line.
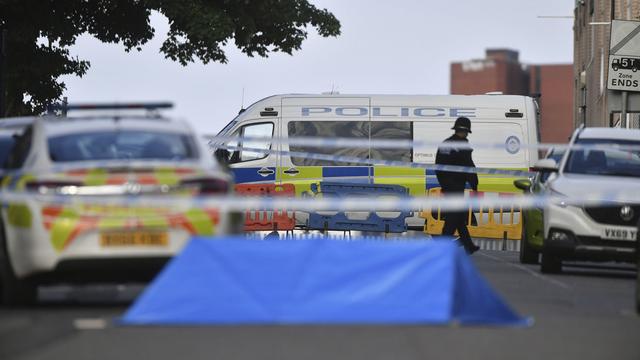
pixel 112 145
pixel 605 161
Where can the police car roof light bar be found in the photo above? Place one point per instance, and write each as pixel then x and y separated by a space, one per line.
pixel 114 106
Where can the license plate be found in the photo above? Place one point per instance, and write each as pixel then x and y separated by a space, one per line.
pixel 619 234
pixel 116 239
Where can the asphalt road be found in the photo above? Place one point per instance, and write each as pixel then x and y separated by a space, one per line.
pixel 585 313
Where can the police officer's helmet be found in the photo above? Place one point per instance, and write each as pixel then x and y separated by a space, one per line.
pixel 462 123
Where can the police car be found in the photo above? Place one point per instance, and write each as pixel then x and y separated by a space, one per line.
pixel 606 161
pixel 44 237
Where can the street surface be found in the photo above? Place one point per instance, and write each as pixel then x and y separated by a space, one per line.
pixel 585 313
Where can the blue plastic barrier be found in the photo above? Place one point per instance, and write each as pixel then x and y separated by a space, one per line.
pixel 320 281
pixel 373 222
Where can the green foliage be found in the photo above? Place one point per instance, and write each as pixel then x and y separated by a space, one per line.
pixel 39 33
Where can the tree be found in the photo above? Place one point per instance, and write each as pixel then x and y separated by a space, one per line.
pixel 40 32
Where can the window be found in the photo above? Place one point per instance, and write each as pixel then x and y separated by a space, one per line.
pixel 329 129
pixel 6 144
pixel 392 130
pixel 121 144
pixel 263 130
pixel 609 161
pixel 16 158
pixel 260 130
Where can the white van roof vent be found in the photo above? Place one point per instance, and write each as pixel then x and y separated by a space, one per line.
pixel 513 113
pixel 268 111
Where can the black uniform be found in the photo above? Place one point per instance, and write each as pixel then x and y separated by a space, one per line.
pixel 455 183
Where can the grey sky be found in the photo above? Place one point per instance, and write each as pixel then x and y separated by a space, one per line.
pixel 392 47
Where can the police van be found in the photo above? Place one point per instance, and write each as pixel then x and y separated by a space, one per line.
pixel 506 120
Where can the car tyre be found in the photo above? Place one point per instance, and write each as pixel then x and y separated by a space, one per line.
pixel 550 264
pixel 527 254
pixel 14 291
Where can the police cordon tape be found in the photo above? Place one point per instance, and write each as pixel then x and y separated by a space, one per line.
pixel 358 160
pixel 214 143
pixel 322 203
pixel 338 142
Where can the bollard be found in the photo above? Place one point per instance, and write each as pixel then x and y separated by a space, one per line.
pixel 504 241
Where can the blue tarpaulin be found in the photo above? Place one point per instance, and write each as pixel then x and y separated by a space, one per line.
pixel 320 281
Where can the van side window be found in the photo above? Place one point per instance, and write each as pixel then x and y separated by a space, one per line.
pixel 328 129
pixel 391 130
pixel 260 130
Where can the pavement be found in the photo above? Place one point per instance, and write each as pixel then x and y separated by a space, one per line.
pixel 587 312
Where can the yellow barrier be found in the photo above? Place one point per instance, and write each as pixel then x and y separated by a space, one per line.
pixel 489 229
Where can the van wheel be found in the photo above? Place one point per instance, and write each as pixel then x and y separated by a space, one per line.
pixel 527 254
pixel 550 264
pixel 14 291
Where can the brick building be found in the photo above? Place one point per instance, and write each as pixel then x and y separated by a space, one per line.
pixel 591 58
pixel 502 71
pixel 499 71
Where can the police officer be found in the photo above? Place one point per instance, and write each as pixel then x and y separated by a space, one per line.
pixel 454 182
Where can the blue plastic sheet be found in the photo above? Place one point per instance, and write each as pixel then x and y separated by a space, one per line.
pixel 320 281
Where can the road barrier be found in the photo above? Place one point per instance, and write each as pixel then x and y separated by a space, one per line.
pixel 271 219
pixel 342 220
pixel 492 222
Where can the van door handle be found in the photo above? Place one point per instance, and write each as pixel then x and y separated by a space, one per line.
pixel 291 171
pixel 266 171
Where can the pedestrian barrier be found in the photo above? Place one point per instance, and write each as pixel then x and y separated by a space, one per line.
pixel 491 222
pixel 267 220
pixel 388 222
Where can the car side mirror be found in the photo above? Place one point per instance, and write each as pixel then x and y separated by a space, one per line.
pixel 222 155
pixel 546 165
pixel 522 184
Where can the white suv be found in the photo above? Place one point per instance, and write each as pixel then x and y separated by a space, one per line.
pixel 603 232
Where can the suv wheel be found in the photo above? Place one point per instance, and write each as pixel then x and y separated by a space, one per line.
pixel 14 291
pixel 527 254
pixel 550 264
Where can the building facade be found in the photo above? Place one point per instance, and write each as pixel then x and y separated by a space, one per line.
pixel 592 19
pixel 501 71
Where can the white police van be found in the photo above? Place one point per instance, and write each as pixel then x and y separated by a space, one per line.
pixel 506 120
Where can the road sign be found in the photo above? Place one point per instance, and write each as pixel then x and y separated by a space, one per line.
pixel 624 56
pixel 624 73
